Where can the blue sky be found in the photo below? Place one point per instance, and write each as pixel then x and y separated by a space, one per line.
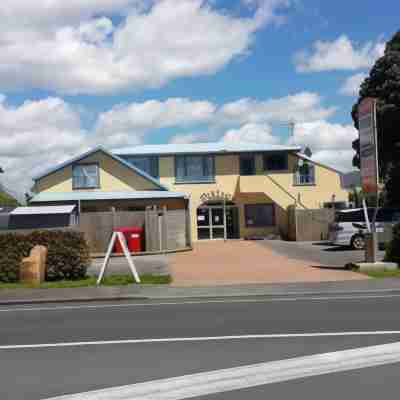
pixel 125 72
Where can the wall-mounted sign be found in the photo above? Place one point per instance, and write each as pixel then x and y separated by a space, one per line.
pixel 368 145
pixel 215 195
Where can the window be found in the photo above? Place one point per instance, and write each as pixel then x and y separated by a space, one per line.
pixel 85 176
pixel 276 162
pixel 146 164
pixel 305 174
pixel 194 169
pixel 259 215
pixel 247 165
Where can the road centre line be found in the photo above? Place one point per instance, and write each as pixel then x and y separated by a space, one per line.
pixel 197 339
pixel 230 379
pixel 192 302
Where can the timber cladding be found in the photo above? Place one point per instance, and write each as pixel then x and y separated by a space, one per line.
pixel 309 225
pixel 164 230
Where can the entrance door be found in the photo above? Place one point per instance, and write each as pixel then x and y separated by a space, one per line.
pixel 217 223
pixel 211 223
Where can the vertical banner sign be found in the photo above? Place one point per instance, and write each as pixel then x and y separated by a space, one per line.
pixel 368 145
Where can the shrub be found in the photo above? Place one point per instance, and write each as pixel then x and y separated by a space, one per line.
pixel 68 254
pixel 393 248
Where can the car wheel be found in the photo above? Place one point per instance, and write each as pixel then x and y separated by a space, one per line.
pixel 358 242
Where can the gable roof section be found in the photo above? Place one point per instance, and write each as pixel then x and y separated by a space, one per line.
pixel 202 148
pixel 304 157
pixel 103 150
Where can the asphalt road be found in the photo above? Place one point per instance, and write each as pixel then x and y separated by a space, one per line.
pixel 45 371
pixel 318 253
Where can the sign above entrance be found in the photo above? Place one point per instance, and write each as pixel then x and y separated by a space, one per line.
pixel 216 195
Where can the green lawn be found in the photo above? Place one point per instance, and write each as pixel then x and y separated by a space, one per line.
pixel 383 274
pixel 113 280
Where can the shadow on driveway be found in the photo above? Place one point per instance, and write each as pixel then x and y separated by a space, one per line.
pixel 319 254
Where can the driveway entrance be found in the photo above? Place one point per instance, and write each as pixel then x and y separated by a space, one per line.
pixel 245 262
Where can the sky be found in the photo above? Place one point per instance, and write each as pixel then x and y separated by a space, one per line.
pixel 118 73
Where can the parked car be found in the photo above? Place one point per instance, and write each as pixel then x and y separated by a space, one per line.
pixel 350 227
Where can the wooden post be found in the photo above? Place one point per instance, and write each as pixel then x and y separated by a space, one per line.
pixel 188 224
pixel 164 235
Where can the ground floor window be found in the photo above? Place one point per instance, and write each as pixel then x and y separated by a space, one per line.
pixel 259 215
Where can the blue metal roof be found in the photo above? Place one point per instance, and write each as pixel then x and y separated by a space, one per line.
pixel 97 195
pixel 103 150
pixel 203 148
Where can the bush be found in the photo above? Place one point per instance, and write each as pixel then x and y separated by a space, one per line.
pixel 393 248
pixel 68 254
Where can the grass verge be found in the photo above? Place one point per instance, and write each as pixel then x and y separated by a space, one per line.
pixel 383 274
pixel 112 280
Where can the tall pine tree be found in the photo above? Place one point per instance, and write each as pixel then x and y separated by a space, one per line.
pixel 383 83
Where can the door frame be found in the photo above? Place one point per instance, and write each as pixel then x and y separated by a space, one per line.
pixel 210 226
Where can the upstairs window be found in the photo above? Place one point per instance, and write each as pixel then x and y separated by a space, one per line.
pixel 305 174
pixel 247 165
pixel 85 176
pixel 146 164
pixel 276 162
pixel 194 169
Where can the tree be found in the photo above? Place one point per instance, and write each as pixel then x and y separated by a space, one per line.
pixel 383 83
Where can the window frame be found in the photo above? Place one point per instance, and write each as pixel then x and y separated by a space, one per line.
pixel 96 186
pixel 298 175
pixel 188 179
pixel 269 155
pixel 260 225
pixel 154 164
pixel 251 157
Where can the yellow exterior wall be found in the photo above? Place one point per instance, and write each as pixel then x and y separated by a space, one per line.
pixel 276 188
pixel 114 177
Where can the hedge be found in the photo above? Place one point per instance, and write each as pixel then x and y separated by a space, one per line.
pixel 393 248
pixel 68 254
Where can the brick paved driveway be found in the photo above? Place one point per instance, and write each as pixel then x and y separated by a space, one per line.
pixel 240 262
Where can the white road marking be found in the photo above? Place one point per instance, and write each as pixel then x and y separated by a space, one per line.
pixel 185 302
pixel 230 379
pixel 196 339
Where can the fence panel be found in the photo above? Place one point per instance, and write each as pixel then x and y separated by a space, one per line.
pixel 167 226
pixel 313 225
pixel 176 226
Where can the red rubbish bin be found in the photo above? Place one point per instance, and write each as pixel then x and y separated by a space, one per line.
pixel 134 239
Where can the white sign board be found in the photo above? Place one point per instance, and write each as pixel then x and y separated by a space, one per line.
pixel 368 145
pixel 118 236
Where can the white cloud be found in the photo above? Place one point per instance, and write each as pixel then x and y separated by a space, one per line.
pixel 129 123
pixel 338 159
pixel 340 54
pixel 78 49
pixel 37 135
pixel 351 86
pixel 255 133
pixel 330 143
pixel 322 135
pixel 304 106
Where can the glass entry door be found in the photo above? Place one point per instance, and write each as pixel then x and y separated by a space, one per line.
pixel 211 223
pixel 217 223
